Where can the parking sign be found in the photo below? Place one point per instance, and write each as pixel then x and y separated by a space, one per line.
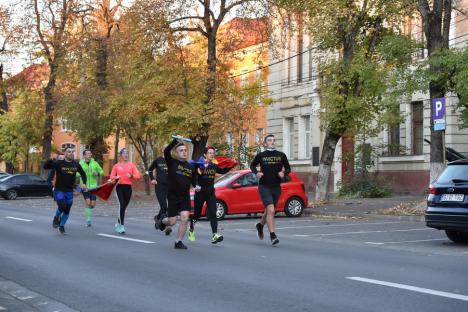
pixel 438 116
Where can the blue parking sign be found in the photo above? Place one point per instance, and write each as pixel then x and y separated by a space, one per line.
pixel 438 108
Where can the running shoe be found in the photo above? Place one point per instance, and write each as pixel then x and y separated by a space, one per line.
pixel 62 230
pixel 179 245
pixel 156 224
pixel 168 230
pixel 56 222
pixel 216 238
pixel 122 229
pixel 191 235
pixel 117 227
pixel 160 225
pixel 88 223
pixel 259 227
pixel 274 240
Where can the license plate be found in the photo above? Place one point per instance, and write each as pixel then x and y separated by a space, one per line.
pixel 452 197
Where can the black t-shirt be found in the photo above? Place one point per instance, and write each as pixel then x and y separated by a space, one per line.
pixel 206 179
pixel 65 174
pixel 161 170
pixel 271 163
pixel 181 174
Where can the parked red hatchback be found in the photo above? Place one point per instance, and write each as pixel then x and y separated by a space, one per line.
pixel 237 193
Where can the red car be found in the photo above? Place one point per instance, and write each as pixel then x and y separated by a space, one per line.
pixel 237 193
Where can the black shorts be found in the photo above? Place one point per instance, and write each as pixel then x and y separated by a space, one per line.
pixel 177 203
pixel 88 195
pixel 269 194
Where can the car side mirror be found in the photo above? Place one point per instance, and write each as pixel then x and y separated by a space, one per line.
pixel 236 185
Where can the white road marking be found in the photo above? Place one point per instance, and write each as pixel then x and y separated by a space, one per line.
pixel 411 288
pixel 19 219
pixel 126 238
pixel 411 241
pixel 361 232
pixel 2 308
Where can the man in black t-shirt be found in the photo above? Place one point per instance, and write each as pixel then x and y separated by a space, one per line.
pixel 160 188
pixel 274 165
pixel 181 175
pixel 65 176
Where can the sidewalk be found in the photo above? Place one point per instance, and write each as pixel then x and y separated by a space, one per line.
pixel 14 297
pixel 362 207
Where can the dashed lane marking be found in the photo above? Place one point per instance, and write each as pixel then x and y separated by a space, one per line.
pixel 18 219
pixel 126 238
pixel 410 288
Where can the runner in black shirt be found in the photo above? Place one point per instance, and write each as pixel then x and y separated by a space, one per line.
pixel 181 175
pixel 274 166
pixel 160 188
pixel 206 195
pixel 65 176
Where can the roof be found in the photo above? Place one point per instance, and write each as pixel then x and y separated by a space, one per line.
pixel 33 76
pixel 245 32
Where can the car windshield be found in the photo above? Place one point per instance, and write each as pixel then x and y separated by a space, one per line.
pixel 226 178
pixel 458 173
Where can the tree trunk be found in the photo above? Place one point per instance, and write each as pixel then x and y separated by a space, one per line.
pixel 326 162
pixel 4 102
pixel 436 25
pixel 49 118
pixel 116 145
pixel 200 143
pixel 98 147
pixel 101 63
pixel 3 109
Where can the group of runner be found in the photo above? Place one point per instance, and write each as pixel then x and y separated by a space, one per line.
pixel 175 177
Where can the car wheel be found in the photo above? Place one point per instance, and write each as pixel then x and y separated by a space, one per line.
pixel 294 207
pixel 221 210
pixel 457 237
pixel 11 194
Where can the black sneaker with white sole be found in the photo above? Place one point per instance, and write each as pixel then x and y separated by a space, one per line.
pixel 62 230
pixel 179 245
pixel 274 239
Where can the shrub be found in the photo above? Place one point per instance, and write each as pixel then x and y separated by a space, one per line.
pixel 364 186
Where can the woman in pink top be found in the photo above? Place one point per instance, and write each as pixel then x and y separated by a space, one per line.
pixel 124 172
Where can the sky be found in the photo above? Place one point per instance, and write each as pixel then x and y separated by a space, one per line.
pixel 14 65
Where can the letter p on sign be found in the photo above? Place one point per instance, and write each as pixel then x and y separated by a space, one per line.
pixel 439 108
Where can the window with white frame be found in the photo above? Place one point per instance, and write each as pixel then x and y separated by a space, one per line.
pixel 230 143
pixel 68 145
pixel 304 137
pixel 65 125
pixel 288 139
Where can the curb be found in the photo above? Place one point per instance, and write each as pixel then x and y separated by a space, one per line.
pixel 370 215
pixel 27 300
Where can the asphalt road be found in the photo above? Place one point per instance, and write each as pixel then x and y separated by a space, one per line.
pixel 384 264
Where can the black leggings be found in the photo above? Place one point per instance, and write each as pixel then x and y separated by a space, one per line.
pixel 124 194
pixel 210 199
pixel 161 195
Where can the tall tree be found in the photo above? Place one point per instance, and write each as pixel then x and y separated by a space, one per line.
pixel 436 16
pixel 10 39
pixel 105 22
pixel 365 53
pixel 205 17
pixel 51 22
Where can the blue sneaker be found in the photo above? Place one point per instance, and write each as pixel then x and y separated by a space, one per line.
pixel 88 223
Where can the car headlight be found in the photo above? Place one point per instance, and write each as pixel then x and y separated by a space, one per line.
pixel 3 187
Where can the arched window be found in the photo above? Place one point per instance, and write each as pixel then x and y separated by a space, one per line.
pixel 68 145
